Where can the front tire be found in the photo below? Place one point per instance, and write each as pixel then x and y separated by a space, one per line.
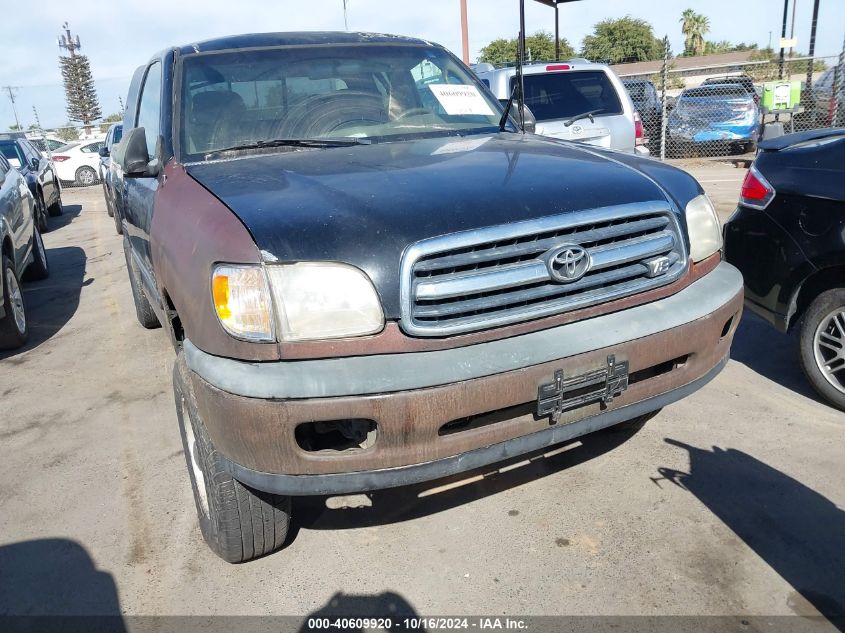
pixel 41 213
pixel 822 346
pixel 143 309
pixel 237 522
pixel 57 208
pixel 39 268
pixel 14 330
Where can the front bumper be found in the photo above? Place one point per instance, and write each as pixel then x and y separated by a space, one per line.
pixel 673 347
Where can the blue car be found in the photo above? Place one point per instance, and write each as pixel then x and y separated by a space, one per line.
pixel 723 117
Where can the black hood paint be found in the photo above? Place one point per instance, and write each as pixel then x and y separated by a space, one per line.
pixel 365 204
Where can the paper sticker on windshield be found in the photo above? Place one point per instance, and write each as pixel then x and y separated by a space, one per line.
pixel 464 145
pixel 461 99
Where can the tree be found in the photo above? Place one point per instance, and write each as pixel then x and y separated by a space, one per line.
pixel 538 47
pixel 107 121
pixel 15 128
pixel 724 46
pixel 694 26
pixel 68 133
pixel 622 40
pixel 81 95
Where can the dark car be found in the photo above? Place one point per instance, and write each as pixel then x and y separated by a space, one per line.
pixel 787 237
pixel 647 102
pixel 40 175
pixel 371 281
pixel 22 253
pixel 112 138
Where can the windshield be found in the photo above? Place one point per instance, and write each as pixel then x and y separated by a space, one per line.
pixel 566 94
pixel 374 92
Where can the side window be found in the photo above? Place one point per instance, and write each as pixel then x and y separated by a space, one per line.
pixel 91 148
pixel 4 168
pixel 149 107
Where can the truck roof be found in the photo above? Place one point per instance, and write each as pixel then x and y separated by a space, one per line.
pixel 262 40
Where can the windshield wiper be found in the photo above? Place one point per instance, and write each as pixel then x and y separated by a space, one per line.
pixel 503 121
pixel 294 142
pixel 583 115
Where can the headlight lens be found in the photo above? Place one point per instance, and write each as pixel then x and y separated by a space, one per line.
pixel 705 232
pixel 324 300
pixel 242 301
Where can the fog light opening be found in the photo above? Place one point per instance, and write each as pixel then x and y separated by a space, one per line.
pixel 336 436
pixel 727 327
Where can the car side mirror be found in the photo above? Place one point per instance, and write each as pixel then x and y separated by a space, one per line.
pixel 34 163
pixel 103 152
pixel 132 156
pixel 530 120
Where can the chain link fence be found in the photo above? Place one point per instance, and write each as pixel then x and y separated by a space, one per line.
pixel 726 109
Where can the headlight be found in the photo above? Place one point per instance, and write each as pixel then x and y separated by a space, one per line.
pixel 705 233
pixel 242 301
pixel 322 300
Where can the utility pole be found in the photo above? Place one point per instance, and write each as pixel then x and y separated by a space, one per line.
pixel 12 90
pixel 465 31
pixel 792 30
pixel 122 107
pixel 813 26
pixel 783 37
pixel 345 20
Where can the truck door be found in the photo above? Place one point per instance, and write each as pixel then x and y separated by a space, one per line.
pixel 140 192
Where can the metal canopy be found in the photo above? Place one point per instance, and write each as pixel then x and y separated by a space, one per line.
pixel 554 5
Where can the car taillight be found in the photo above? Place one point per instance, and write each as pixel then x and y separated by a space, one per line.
pixel 59 158
pixel 554 67
pixel 756 192
pixel 638 129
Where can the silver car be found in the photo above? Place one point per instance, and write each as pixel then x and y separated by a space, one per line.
pixel 575 100
pixel 22 252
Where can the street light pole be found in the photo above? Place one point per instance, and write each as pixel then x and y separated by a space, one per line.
pixel 783 37
pixel 465 31
pixel 345 20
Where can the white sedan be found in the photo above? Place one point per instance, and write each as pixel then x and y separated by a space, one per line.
pixel 78 163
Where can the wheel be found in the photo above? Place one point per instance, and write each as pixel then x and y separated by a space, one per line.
pixel 118 221
pixel 39 268
pixel 41 213
pixel 143 310
pixel 13 327
pixel 108 202
pixel 237 522
pixel 57 208
pixel 85 176
pixel 822 346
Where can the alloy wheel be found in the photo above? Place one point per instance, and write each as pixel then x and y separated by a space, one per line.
pixel 16 300
pixel 829 348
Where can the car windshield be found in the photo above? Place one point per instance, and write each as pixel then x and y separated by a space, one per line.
pixel 368 92
pixel 716 91
pixel 637 91
pixel 562 95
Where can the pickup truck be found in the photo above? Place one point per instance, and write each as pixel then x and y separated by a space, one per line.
pixel 372 277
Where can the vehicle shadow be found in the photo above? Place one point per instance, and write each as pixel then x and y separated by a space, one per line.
pixel 797 531
pixel 383 606
pixel 771 354
pixel 395 505
pixel 51 303
pixel 69 214
pixel 52 584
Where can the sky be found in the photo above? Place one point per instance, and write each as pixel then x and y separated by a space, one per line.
pixel 119 36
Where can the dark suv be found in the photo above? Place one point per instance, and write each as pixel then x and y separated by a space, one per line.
pixel 372 278
pixel 39 173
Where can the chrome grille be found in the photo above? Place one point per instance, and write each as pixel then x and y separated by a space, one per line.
pixel 498 275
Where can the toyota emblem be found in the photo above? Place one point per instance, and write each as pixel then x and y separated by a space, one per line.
pixel 567 263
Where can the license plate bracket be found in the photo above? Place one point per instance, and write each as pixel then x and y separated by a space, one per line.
pixel 565 393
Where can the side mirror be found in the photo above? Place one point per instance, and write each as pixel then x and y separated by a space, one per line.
pixel 34 163
pixel 530 120
pixel 104 152
pixel 132 156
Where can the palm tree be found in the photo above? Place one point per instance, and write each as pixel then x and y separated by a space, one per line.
pixel 694 26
